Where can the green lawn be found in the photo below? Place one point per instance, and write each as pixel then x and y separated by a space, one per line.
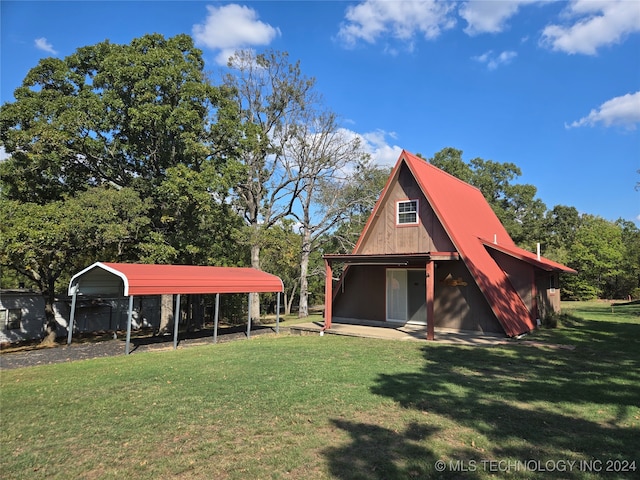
pixel 305 407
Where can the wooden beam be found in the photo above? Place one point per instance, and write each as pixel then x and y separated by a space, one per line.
pixel 328 294
pixel 430 295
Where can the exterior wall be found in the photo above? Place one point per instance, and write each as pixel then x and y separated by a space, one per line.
pixel 458 306
pixel 29 307
pixel 548 287
pixel 385 237
pixel 522 277
pixel 362 296
pixel 91 315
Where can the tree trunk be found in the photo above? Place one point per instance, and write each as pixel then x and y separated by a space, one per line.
pixel 288 301
pixel 166 313
pixel 303 310
pixel 255 298
pixel 51 326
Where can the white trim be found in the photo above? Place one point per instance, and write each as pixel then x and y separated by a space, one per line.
pixel 405 292
pixel 417 211
pixel 101 265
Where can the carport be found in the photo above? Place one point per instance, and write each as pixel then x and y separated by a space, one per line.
pixel 131 279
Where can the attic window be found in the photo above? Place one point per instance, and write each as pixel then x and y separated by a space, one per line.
pixel 407 212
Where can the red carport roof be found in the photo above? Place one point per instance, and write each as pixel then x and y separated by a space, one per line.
pixel 144 279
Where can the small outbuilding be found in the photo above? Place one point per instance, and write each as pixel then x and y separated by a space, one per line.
pixel 130 279
pixel 434 253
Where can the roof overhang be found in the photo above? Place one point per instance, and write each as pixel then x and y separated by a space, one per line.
pixel 125 279
pixel 528 257
pixel 391 259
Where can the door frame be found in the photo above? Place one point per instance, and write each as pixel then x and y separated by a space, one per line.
pixel 406 319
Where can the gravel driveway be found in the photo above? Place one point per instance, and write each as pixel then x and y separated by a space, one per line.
pixel 84 349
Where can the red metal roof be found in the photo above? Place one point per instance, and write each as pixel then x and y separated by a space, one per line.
pixel 469 221
pixel 532 258
pixel 144 279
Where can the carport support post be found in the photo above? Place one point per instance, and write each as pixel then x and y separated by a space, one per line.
pixel 129 316
pixel 176 319
pixel 215 319
pixel 278 313
pixel 249 318
pixel 430 293
pixel 72 315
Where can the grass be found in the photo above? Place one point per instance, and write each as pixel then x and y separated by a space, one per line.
pixel 311 407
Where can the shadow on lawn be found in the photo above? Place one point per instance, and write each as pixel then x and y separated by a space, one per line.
pixel 524 403
pixel 380 453
pixel 535 403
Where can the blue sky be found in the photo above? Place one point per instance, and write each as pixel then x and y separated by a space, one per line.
pixel 553 87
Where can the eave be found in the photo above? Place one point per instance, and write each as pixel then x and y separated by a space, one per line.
pixel 396 259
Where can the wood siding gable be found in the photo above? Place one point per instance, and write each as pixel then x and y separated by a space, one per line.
pixel 383 236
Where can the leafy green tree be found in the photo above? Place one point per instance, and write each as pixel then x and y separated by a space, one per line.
pixel 597 253
pixel 628 282
pixel 47 243
pixel 119 115
pixel 559 229
pixel 450 160
pixel 200 227
pixel 140 115
pixel 38 132
pixel 281 254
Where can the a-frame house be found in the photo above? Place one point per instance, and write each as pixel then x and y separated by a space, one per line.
pixel 433 252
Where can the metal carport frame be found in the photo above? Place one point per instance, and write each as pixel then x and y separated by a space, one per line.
pixel 131 279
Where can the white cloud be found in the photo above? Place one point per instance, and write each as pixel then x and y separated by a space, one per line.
pixel 232 27
pixel 44 45
pixel 402 20
pixel 623 111
pixel 382 154
pixel 376 145
pixel 487 16
pixel 494 61
pixel 593 24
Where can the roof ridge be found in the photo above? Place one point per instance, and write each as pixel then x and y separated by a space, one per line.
pixel 426 161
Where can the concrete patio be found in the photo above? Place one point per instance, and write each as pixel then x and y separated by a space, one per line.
pixel 400 332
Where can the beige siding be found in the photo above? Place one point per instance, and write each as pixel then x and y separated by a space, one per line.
pixel 385 237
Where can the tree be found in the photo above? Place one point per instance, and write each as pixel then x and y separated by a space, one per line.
pixel 324 158
pixel 281 253
pixel 270 94
pixel 140 115
pixel 46 242
pixel 628 282
pixel 109 113
pixel 597 253
pixel 559 230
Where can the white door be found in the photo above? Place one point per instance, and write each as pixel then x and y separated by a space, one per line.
pixel 406 296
